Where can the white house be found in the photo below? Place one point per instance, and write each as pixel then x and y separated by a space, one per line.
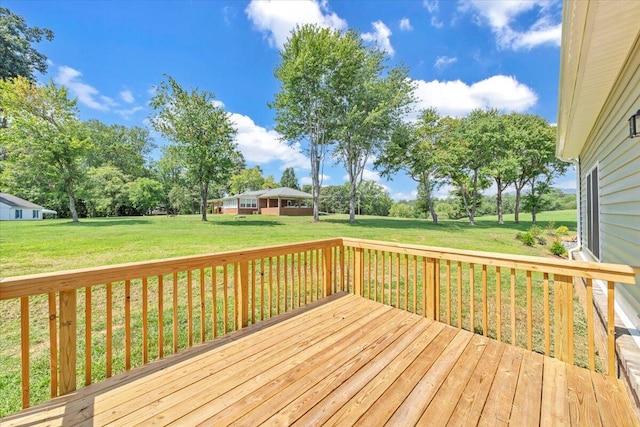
pixel 599 99
pixel 14 208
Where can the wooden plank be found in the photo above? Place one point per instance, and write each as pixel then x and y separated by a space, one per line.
pixel 127 325
pixel 395 394
pixel 583 408
pixel 547 315
pixel 611 331
pixel 225 296
pixel 87 336
pixel 528 396
pixel 497 409
pixel 109 327
pixel 441 407
pixel 529 312
pixel 498 305
pixel 561 318
pixel 590 326
pixel 202 308
pixel 145 321
pixel 242 310
pixel 485 314
pixel 430 288
pixel 174 283
pixel 613 401
pixel 472 299
pixel 459 295
pixel 278 285
pixel 53 345
pixel 190 308
pixel 415 285
pixel 25 346
pixel 161 316
pixel 555 408
pixel 406 282
pixel 398 277
pixel 448 281
pixel 359 272
pixel 469 407
pixel 68 341
pixel 269 298
pixel 513 306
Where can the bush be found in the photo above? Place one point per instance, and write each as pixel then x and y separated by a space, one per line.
pixel 528 239
pixel 535 230
pixel 557 248
pixel 551 225
pixel 402 210
pixel 563 230
pixel 541 240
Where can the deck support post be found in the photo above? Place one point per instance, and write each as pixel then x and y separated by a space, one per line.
pixel 563 317
pixel 358 264
pixel 242 304
pixel 67 341
pixel 430 289
pixel 326 272
pixel 611 330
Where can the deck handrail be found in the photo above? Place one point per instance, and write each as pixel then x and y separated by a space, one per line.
pixel 249 285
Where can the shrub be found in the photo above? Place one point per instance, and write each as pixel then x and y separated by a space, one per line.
pixel 541 240
pixel 551 225
pixel 563 230
pixel 528 239
pixel 557 248
pixel 402 210
pixel 535 230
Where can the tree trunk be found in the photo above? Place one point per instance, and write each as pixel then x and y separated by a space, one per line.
pixel 516 216
pixel 499 201
pixel 352 199
pixel 315 180
pixel 432 211
pixel 72 201
pixel 204 190
pixel 474 201
pixel 533 214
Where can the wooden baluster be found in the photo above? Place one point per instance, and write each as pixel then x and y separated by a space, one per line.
pixel 459 295
pixel 590 325
pixel 611 330
pixel 225 296
pixel 278 310
pixel 127 325
pixel 286 283
pixel 87 335
pixel 547 315
pixel 369 272
pixel 190 308
pixel 398 277
pixel 109 330
pixel 437 285
pixel 406 282
pixel 68 339
pixel 214 300
pixel 485 314
pixel 448 291
pixel 326 273
pixel 430 288
pixel 375 279
pixel 53 344
pixel 242 304
pixel 359 271
pixel 270 302
pixel 253 290
pixel 472 305
pixel 175 312
pixel 529 313
pixel 498 305
pixel 24 351
pixel 342 272
pixel 160 317
pixel 145 321
pixel 415 284
pixel 236 297
pixel 513 306
pixel 202 307
pixel 300 280
pixel 561 317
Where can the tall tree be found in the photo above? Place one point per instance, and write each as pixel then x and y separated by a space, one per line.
pixel 44 127
pixel 371 103
pixel 203 133
pixel 289 179
pixel 17 55
pixel 246 180
pixel 305 104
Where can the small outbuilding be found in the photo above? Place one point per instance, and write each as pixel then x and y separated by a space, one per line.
pixel 275 201
pixel 13 208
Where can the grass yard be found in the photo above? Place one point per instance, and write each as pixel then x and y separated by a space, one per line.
pixel 52 245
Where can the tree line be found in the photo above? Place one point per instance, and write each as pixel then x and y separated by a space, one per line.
pixel 337 97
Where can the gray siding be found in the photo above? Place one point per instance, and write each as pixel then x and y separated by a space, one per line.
pixel 618 160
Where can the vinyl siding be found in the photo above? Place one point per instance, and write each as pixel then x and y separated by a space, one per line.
pixel 618 160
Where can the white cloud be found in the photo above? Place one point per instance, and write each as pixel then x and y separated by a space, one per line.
pixel 367 175
pixel 277 18
pixel 433 8
pixel 129 112
pixel 217 103
pixel 380 37
pixel 86 94
pixel 444 61
pixel 405 25
pixel 404 196
pixel 127 96
pixel 456 98
pixel 502 16
pixel 307 179
pixel 259 145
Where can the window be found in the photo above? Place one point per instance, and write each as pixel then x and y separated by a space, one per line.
pixel 36 214
pixel 592 227
pixel 231 203
pixel 248 203
pixel 18 213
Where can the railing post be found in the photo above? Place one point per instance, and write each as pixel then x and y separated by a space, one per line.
pixel 326 272
pixel 359 271
pixel 242 303
pixel 563 317
pixel 611 330
pixel 430 288
pixel 67 341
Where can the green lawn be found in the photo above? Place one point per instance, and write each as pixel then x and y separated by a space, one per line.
pixel 51 245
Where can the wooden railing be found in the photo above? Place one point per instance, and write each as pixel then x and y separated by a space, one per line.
pixel 85 325
pixel 525 301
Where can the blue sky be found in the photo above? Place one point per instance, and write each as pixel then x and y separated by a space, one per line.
pixel 462 54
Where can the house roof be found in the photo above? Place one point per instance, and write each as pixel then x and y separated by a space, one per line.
pixel 597 40
pixel 17 202
pixel 281 192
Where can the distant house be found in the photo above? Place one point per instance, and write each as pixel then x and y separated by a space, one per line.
pixel 599 94
pixel 14 208
pixel 276 201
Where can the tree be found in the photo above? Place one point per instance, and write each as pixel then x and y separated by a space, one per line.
pixel 305 104
pixel 203 133
pixel 106 191
pixel 18 56
pixel 44 128
pixel 145 193
pixel 289 179
pixel 269 182
pixel 246 180
pixel 373 199
pixel 540 185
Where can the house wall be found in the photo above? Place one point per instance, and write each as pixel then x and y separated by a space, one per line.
pixel 296 211
pixel 269 211
pixel 239 211
pixel 7 213
pixel 618 160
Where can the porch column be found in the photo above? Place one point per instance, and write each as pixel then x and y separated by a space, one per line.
pixel 279 205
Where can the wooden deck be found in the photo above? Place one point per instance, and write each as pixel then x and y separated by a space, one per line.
pixel 344 361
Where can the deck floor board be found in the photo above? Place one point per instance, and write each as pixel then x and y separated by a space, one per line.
pixel 346 361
